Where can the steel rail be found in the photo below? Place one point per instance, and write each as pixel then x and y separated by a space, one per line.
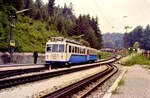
pixel 4 74
pixel 13 72
pixel 99 83
pixel 67 91
pixel 4 83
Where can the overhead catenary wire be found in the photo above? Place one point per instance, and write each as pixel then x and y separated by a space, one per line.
pixel 102 14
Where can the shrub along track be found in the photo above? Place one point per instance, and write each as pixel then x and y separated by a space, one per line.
pixel 8 82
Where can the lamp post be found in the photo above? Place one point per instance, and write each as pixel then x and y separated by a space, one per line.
pixel 12 42
pixel 126 27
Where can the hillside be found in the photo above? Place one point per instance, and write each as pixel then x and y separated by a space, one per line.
pixel 138 35
pixel 113 40
pixel 43 21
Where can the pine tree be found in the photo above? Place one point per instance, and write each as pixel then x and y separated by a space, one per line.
pixel 51 7
pixel 39 3
pixel 27 5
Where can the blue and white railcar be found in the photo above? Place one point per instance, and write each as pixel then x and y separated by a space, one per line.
pixel 92 53
pixel 65 51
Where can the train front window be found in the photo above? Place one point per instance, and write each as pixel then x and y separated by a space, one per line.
pixel 49 47
pixel 61 48
pixel 55 48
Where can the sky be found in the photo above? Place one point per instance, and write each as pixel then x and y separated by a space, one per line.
pixel 111 13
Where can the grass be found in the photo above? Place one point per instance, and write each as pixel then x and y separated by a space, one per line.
pixel 120 83
pixel 105 55
pixel 115 91
pixel 135 59
pixel 148 67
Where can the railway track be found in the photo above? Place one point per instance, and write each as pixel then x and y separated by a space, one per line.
pixel 14 72
pixel 10 73
pixel 99 82
pixel 8 82
pixel 73 89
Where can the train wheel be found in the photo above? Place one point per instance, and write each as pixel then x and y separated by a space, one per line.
pixel 66 64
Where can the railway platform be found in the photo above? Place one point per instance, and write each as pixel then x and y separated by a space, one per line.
pixel 8 67
pixel 136 83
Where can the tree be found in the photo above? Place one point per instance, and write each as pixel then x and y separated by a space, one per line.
pixel 27 5
pixel 18 4
pixel 44 21
pixel 126 40
pixel 39 3
pixel 136 45
pixel 38 15
pixel 51 4
pixel 140 35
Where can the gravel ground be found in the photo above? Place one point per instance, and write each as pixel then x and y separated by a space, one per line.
pixel 136 83
pixel 35 89
pixel 99 93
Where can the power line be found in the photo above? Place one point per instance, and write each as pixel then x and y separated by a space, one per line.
pixel 98 7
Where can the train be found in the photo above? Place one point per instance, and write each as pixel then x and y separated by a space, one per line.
pixel 60 50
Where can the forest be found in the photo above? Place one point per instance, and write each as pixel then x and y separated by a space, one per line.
pixel 139 36
pixel 35 27
pixel 113 40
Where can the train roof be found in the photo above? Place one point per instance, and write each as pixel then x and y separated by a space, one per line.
pixel 62 39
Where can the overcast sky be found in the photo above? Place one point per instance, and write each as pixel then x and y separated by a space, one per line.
pixel 110 12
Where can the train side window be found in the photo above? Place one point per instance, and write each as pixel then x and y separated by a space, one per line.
pixel 79 50
pixel 69 49
pixel 55 48
pixel 83 51
pixel 87 51
pixel 72 49
pixel 49 48
pixel 75 49
pixel 61 48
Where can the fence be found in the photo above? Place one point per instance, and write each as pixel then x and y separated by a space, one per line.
pixel 146 53
pixel 20 58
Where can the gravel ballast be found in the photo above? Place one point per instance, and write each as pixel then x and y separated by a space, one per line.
pixel 35 89
pixel 100 91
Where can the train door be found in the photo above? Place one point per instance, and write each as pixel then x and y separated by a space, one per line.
pixel 66 52
pixel 88 57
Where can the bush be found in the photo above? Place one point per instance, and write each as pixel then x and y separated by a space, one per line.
pixel 135 59
pixel 105 55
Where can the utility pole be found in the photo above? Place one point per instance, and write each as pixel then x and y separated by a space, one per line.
pixel 12 42
pixel 126 27
pixel 11 38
